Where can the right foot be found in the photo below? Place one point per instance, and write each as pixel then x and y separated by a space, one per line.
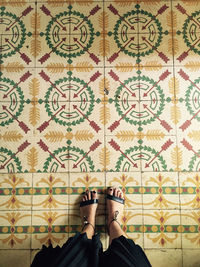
pixel 113 206
pixel 89 211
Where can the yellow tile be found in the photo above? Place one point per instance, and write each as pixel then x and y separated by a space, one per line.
pixel 19 258
pixel 16 191
pixel 50 191
pixel 164 257
pixel 161 190
pixel 49 227
pixel 190 258
pixel 130 183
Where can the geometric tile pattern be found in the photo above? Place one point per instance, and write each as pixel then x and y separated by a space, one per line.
pixel 98 93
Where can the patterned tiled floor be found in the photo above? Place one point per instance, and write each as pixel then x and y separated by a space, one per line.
pixel 97 93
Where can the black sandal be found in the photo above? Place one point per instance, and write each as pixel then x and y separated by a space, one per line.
pixel 117 199
pixel 85 203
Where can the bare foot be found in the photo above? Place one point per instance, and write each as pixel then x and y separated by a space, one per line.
pixel 114 206
pixel 89 211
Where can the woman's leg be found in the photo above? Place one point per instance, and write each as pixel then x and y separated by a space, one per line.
pixel 89 212
pixel 113 206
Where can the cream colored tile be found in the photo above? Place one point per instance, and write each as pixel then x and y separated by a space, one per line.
pixel 161 190
pixel 187 83
pixel 190 258
pixel 88 142
pixel 57 22
pixel 132 225
pixel 189 190
pixel 188 145
pixel 164 257
pixel 50 191
pixel 153 119
pixel 17 85
pixel 16 50
pixel 156 82
pixel 79 182
pixel 190 228
pixel 16 191
pixel 163 11
pixel 126 87
pixel 159 155
pixel 130 183
pixel 18 258
pixel 161 229
pixel 75 224
pixel 15 229
pixel 87 82
pixel 186 47
pixel 49 227
pixel 123 115
pixel 125 154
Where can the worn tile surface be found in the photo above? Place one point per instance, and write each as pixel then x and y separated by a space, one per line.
pixel 93 94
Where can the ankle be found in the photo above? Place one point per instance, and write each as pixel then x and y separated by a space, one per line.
pixel 113 221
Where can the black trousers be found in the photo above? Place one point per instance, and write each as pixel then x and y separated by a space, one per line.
pixel 79 251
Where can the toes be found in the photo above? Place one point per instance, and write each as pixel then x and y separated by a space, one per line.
pixel 118 193
pixel 110 190
pixel 115 191
pixel 86 195
pixel 93 194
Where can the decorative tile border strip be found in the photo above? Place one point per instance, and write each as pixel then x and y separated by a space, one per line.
pixel 39 229
pixel 78 190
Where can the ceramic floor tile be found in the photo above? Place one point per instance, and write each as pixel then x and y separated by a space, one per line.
pixel 190 258
pixel 16 191
pixel 190 228
pixel 188 145
pixel 161 190
pixel 187 46
pixel 153 117
pixel 126 89
pixel 155 48
pixel 50 191
pixel 15 80
pixel 155 17
pixel 15 229
pixel 122 114
pixel 187 82
pixel 125 155
pixel 132 224
pixel 18 258
pixel 189 190
pixel 49 227
pixel 13 26
pixel 156 81
pixel 159 156
pixel 92 11
pixel 162 229
pixel 87 83
pixel 165 257
pixel 130 183
pixel 17 51
pixel 93 94
pixel 187 16
pixel 79 182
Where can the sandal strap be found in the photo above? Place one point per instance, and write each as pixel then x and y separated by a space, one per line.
pixel 114 220
pixel 89 202
pixel 85 223
pixel 117 199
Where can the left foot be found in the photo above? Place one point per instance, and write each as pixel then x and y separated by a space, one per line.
pixel 89 211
